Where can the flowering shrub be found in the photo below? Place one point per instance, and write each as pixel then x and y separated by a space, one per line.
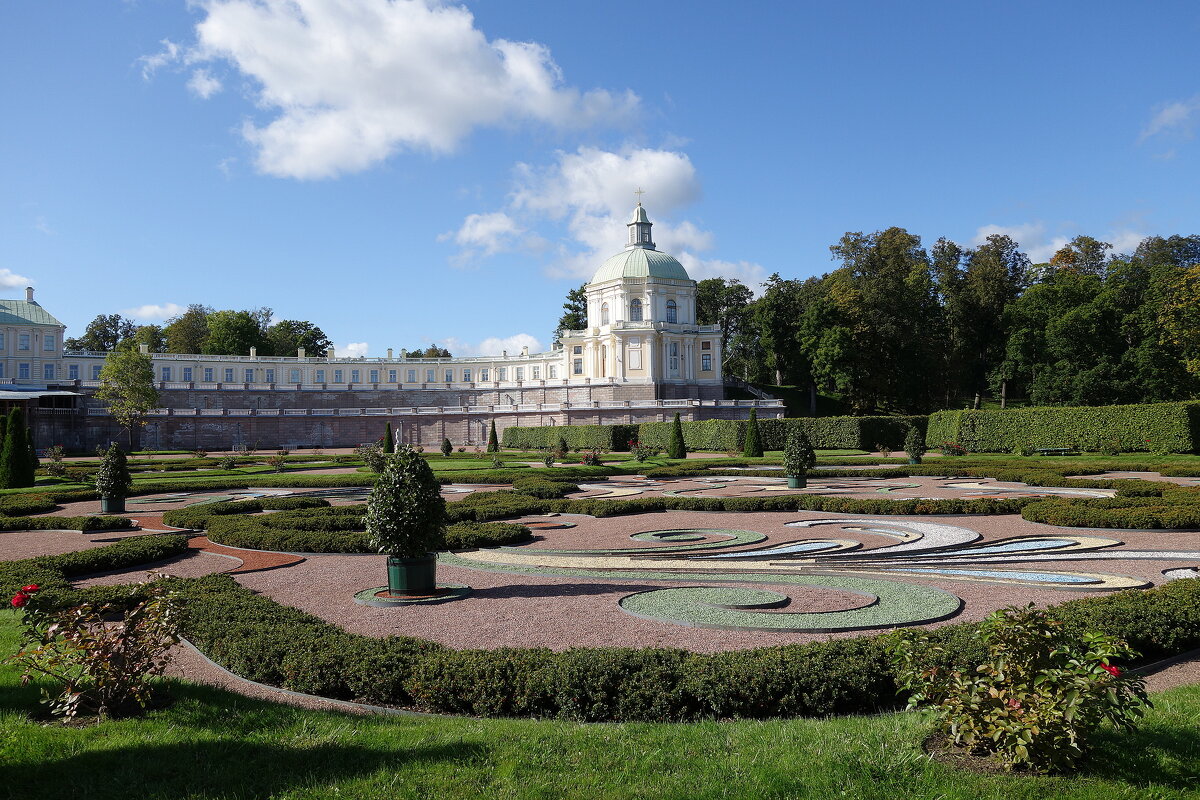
pixel 590 457
pixel 276 462
pixel 1036 699
pixel 101 667
pixel 641 451
pixel 373 456
pixel 953 449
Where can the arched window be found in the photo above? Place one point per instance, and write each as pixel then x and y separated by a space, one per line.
pixel 672 314
pixel 635 310
pixel 604 314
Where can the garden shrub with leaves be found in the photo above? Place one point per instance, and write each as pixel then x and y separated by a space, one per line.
pixel 1037 698
pixel 101 667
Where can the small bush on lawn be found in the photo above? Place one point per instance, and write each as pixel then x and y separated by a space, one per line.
pixel 102 667
pixel 1036 699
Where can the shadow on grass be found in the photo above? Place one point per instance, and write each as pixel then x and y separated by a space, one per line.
pixel 1154 755
pixel 226 768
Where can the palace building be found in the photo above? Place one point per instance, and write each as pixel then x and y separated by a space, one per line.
pixel 641 358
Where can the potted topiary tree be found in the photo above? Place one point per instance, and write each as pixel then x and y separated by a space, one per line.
pixel 406 520
pixel 798 458
pixel 914 445
pixel 112 480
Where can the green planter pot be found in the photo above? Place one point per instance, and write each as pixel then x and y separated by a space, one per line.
pixel 412 575
pixel 112 505
pixel 796 482
pixel 912 460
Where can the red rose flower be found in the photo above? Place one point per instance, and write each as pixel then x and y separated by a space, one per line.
pixel 19 600
pixel 30 589
pixel 1111 670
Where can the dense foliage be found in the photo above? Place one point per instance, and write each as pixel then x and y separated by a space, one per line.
pixel 406 515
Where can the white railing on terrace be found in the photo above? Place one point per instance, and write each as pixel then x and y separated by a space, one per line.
pixel 336 359
pixel 494 409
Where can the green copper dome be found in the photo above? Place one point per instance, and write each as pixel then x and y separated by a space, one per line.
pixel 640 262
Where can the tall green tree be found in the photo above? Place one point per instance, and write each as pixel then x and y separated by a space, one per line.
pixel 103 334
pixel 753 444
pixel 188 332
pixel 493 442
pixel 233 333
pixel 389 440
pixel 723 302
pixel 286 337
pixel 574 317
pixel 150 335
pixel 127 385
pixel 676 448
pixel 15 469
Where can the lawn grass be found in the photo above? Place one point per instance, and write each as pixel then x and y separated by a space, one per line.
pixel 214 744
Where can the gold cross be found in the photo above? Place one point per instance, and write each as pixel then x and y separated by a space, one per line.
pixel 639 194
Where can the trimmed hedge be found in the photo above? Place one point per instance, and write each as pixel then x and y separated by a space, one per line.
pixel 1172 427
pixel 65 523
pixel 52 573
pixel 1176 508
pixel 22 505
pixel 262 640
pixel 606 437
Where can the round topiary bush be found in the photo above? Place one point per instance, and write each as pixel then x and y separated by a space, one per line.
pixel 406 515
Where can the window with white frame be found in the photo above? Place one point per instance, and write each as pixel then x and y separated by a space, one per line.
pixel 1 341
pixel 484 375
pixel 270 376
pixel 449 376
pixel 391 376
pixel 337 376
pixel 412 376
pixel 672 312
pixel 502 374
pixel 553 372
pixel 249 375
pixel 536 373
pixel 293 376
pixel 430 375
pixel 635 310
pixel 72 372
pixel 604 314
pixel 674 350
pixel 577 367
pixel 23 371
pixel 320 377
pixel 48 372
pixel 208 375
pixel 577 349
pixel 706 362
pixel 229 375
pixel 374 376
pixel 354 375
pixel 520 373
pixel 466 376
pixel 95 372
pixel 166 373
pixel 48 342
pixel 187 374
pixel 22 341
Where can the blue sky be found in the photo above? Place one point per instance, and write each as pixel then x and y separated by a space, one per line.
pixel 410 172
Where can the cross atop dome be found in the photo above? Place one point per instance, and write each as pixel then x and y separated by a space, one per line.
pixel 639 226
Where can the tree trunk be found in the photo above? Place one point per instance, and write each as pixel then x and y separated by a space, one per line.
pixel 1003 393
pixel 812 399
pixel 976 406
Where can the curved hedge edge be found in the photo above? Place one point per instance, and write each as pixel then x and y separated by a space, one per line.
pixel 82 524
pixel 265 641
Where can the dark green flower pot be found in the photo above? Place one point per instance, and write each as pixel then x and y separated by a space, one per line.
pixel 914 459
pixel 797 482
pixel 112 505
pixel 412 575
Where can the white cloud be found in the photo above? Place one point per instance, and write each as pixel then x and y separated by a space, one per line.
pixel 351 350
pixel 349 84
pixel 11 280
pixel 492 346
pixel 42 226
pixel 483 235
pixel 1173 119
pixel 170 54
pixel 203 84
pixel 153 311
pixel 1040 246
pixel 591 192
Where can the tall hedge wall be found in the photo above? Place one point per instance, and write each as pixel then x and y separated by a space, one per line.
pixel 606 437
pixel 1174 427
pixel 826 433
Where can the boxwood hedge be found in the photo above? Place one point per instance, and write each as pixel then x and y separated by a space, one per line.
pixel 578 437
pixel 1172 427
pixel 262 640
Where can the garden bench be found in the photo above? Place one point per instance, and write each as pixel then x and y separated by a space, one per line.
pixel 1056 451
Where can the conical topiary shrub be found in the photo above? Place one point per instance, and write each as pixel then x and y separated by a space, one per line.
pixel 677 448
pixel 389 441
pixel 493 445
pixel 447 447
pixel 753 446
pixel 15 471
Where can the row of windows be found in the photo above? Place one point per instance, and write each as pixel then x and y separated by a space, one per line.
pixel 25 342
pixel 25 371
pixel 635 312
pixel 209 374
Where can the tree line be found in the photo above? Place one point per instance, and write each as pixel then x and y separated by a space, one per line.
pixel 904 328
pixel 203 330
